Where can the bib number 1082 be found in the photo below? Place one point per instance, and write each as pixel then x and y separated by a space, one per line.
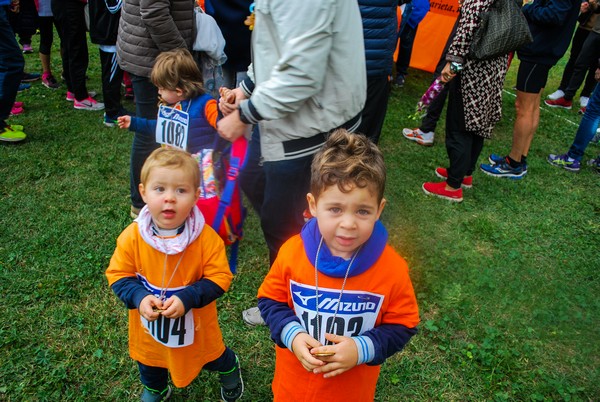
pixel 173 133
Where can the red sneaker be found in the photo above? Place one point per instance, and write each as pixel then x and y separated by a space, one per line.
pixel 582 110
pixel 560 103
pixel 442 173
pixel 18 104
pixel 439 190
pixel 14 111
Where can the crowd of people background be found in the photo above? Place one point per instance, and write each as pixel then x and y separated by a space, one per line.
pixel 316 67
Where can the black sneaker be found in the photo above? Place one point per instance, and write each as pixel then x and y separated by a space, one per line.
pixel 232 384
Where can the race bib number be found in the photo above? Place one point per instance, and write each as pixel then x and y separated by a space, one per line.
pixel 173 333
pixel 172 127
pixel 357 311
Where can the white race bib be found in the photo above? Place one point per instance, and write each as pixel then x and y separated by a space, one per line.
pixel 172 127
pixel 173 333
pixel 356 314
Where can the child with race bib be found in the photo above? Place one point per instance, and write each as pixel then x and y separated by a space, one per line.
pixel 187 116
pixel 338 299
pixel 169 268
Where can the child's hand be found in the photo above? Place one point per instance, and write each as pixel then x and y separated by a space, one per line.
pixel 230 99
pixel 173 307
pixel 124 121
pixel 147 306
pixel 301 345
pixel 345 357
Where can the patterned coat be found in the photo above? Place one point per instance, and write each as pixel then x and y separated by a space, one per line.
pixel 481 80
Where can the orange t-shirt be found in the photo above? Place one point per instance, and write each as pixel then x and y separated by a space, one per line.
pixel 386 285
pixel 204 258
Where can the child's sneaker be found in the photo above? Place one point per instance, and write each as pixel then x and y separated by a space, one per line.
pixel 559 93
pixel 582 110
pixel 560 103
pixel 439 190
pixel 88 104
pixel 420 137
pixel 583 101
pixel 27 49
pixel 49 81
pixel 30 77
pixel 71 96
pixel 232 384
pixel 564 161
pixel 12 134
pixel 23 87
pixel 18 104
pixel 252 316
pixel 15 110
pixel 155 396
pixel 442 173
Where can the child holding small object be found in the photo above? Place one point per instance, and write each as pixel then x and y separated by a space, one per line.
pixel 187 116
pixel 338 299
pixel 169 268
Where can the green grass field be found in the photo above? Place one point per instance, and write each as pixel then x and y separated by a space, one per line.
pixel 508 282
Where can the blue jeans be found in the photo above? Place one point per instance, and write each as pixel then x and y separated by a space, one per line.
pixel 277 192
pixel 587 127
pixel 11 67
pixel 146 101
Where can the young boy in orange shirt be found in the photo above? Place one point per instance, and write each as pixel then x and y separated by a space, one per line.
pixel 338 299
pixel 169 268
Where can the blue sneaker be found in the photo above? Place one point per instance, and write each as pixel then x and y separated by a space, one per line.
pixel 503 169
pixel 564 161
pixel 23 87
pixel 495 159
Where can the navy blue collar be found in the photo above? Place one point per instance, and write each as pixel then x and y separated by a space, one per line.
pixel 334 266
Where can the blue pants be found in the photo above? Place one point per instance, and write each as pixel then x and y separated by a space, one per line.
pixel 11 67
pixel 157 378
pixel 146 101
pixel 587 126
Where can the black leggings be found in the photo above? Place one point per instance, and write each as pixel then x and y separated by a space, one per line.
pixel 46 25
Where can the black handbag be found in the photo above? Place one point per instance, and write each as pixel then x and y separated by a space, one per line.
pixel 502 29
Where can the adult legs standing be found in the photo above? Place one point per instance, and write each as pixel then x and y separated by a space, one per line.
pixel 146 99
pixel 69 15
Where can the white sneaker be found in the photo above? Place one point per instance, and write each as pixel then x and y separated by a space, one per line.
pixel 559 93
pixel 583 101
pixel 252 316
pixel 88 104
pixel 421 138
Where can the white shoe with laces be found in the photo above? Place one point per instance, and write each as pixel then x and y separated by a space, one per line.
pixel 583 101
pixel 559 93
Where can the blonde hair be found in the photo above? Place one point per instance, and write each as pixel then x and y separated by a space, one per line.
pixel 177 69
pixel 348 160
pixel 171 158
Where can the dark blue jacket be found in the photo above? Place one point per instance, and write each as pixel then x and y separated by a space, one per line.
pixel 201 134
pixel 552 23
pixel 379 30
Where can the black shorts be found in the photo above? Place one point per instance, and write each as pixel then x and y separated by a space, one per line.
pixel 532 77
